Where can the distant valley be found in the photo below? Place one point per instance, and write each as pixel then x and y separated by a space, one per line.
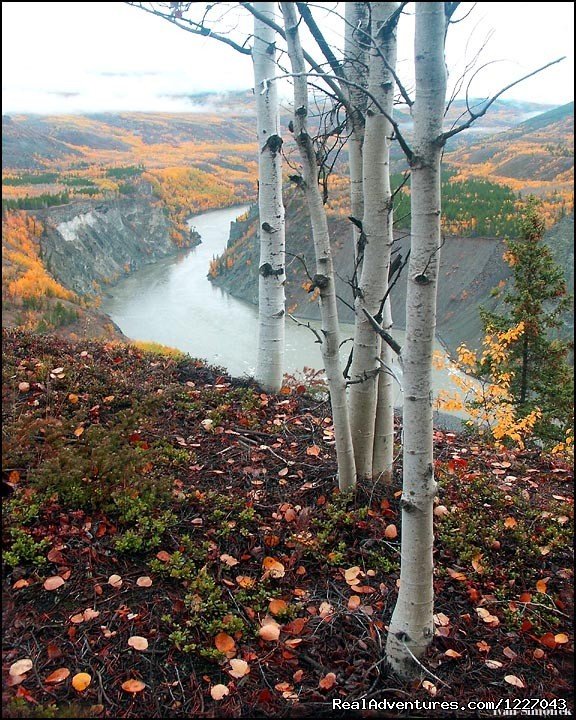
pixel 123 186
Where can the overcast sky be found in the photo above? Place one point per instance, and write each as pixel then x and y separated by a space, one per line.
pixel 97 56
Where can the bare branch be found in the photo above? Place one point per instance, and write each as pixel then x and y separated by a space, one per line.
pixel 196 28
pixel 320 39
pixel 396 347
pixel 307 325
pixel 474 116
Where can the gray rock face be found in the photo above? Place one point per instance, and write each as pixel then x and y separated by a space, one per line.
pixel 87 244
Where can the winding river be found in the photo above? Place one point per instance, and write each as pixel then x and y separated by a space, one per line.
pixel 172 302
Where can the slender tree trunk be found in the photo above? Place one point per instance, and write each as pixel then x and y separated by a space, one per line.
pixel 377 242
pixel 411 627
pixel 355 67
pixel 324 277
pixel 271 300
pixel 383 457
pixel 524 376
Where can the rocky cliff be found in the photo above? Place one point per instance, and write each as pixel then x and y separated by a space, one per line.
pixel 87 244
pixel 469 269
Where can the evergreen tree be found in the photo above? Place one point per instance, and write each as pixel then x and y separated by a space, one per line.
pixel 538 359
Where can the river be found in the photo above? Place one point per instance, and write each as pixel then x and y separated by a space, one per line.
pixel 172 302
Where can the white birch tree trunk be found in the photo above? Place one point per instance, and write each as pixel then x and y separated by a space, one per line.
pixel 271 277
pixel 411 627
pixel 376 246
pixel 324 277
pixel 355 67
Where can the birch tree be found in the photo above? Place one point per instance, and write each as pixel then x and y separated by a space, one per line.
pixel 323 280
pixel 271 272
pixel 373 257
pixel 411 627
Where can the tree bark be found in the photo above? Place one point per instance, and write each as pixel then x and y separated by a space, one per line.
pixel 411 627
pixel 355 67
pixel 377 247
pixel 324 278
pixel 271 278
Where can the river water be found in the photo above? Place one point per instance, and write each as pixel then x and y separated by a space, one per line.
pixel 172 302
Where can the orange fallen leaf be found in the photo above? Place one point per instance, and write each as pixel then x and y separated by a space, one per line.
pixel 163 556
pixel 21 666
pixel 80 681
pixel 538 654
pixel 325 610
pixel 219 691
pixel 229 560
pixel 225 643
pixel 144 581
pixel 548 640
pixel 79 431
pixel 391 532
pixel 274 568
pixel 245 581
pixel 115 581
pixel 328 681
pixel 133 686
pixel 58 675
pixel 90 614
pixel 542 585
pixel 24 387
pixel 77 619
pixel 430 687
pixel 53 583
pixel 354 602
pixel 277 606
pixel 73 398
pixel 22 583
pixel 239 668
pixel 510 522
pixel 313 450
pixel 561 638
pixel 138 642
pixel 456 574
pixel 453 654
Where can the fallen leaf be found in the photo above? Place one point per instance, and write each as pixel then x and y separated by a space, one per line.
pixel 24 387
pixel 115 581
pixel 225 643
pixel 73 398
pixel 510 522
pixel 219 691
pixel 277 606
pixel 354 602
pixel 328 681
pixel 274 568
pixel 513 680
pixel 53 583
pixel 144 581
pixel 456 574
pixel 391 532
pixel 548 640
pixel 21 666
pixel 313 450
pixel 79 431
pixel 80 681
pixel 229 560
pixel 240 668
pixel 133 686
pixel 325 610
pixel 430 687
pixel 538 654
pixel 493 664
pixel 509 653
pixel 138 642
pixel 58 675
pixel 561 638
pixel 163 556
pixel 245 581
pixel 453 654
pixel 22 583
pixel 77 619
pixel 542 585
pixel 351 575
pixel 270 631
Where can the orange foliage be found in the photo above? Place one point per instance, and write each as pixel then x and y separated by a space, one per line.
pixel 23 274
